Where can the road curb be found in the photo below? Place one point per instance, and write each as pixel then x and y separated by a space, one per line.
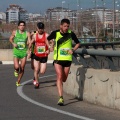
pixel 28 62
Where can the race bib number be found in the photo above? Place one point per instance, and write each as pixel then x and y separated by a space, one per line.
pixel 41 49
pixel 64 51
pixel 21 45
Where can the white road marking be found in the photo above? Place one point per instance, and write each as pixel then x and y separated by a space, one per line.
pixel 20 92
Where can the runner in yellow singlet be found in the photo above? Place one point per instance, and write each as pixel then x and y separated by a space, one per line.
pixel 62 47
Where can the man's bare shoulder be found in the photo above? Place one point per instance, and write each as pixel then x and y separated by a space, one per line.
pixel 28 32
pixel 47 34
pixel 14 32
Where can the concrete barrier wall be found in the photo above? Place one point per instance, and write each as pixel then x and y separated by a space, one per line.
pixel 6 55
pixel 100 87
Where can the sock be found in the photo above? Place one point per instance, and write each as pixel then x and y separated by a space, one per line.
pixel 61 97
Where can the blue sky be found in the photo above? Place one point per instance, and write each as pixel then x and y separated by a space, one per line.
pixel 37 6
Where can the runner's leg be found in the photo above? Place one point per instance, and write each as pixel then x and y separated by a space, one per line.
pixel 16 64
pixel 32 64
pixel 22 66
pixel 36 70
pixel 43 67
pixel 65 73
pixel 59 71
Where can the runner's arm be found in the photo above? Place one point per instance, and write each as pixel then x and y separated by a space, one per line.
pixel 33 39
pixel 74 37
pixel 29 37
pixel 51 38
pixel 11 39
pixel 76 47
pixel 46 41
pixel 29 40
pixel 29 45
pixel 32 33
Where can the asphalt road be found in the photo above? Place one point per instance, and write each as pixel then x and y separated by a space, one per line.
pixel 27 103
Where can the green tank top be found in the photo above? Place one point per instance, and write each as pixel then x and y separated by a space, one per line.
pixel 21 41
pixel 61 50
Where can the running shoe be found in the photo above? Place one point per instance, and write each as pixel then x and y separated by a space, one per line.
pixel 36 85
pixel 18 84
pixel 34 82
pixel 60 101
pixel 15 73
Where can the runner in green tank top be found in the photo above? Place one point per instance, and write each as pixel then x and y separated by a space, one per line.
pixel 20 40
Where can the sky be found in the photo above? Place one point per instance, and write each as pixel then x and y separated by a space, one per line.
pixel 40 6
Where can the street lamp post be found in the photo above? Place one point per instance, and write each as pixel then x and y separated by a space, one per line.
pixel 118 18
pixel 79 17
pixel 96 18
pixel 62 8
pixel 103 3
pixel 96 27
pixel 49 21
pixel 78 4
pixel 113 18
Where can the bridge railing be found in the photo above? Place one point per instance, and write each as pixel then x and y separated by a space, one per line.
pixel 94 51
pixel 5 44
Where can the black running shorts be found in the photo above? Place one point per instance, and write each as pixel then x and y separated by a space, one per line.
pixel 32 55
pixel 41 59
pixel 63 63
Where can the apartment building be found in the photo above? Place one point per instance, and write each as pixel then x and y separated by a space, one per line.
pixel 100 15
pixel 58 13
pixel 15 13
pixel 2 16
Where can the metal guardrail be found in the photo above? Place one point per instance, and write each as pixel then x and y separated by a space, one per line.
pixel 110 53
pixel 105 49
pixel 95 45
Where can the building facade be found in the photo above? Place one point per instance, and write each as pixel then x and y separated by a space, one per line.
pixel 2 16
pixel 15 13
pixel 58 13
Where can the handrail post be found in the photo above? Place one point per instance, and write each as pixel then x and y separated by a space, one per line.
pixel 111 64
pixel 95 62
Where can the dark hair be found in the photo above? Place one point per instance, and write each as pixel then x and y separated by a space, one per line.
pixel 21 22
pixel 65 21
pixel 40 25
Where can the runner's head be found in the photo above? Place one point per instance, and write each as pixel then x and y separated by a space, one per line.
pixel 64 26
pixel 40 27
pixel 21 25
